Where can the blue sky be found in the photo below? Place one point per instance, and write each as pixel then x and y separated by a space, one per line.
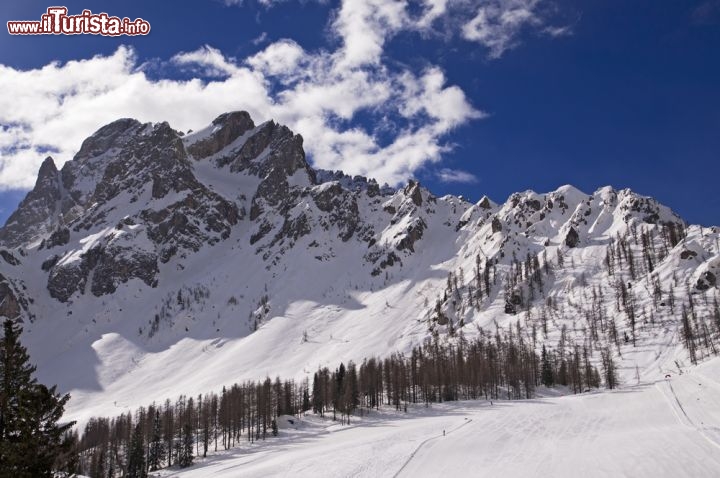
pixel 471 97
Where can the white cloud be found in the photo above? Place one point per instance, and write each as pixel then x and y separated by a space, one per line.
pixel 364 26
pixel 447 175
pixel 428 94
pixel 210 60
pixel 433 9
pixel 318 94
pixel 498 24
pixel 281 58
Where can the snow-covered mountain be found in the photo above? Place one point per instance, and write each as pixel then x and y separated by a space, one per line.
pixel 156 264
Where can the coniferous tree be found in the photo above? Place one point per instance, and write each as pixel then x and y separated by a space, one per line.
pixel 156 450
pixel 136 454
pixel 609 368
pixel 31 440
pixel 186 449
pixel 546 369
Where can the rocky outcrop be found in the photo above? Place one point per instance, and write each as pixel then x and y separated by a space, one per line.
pixel 413 234
pixel 706 281
pixel 572 238
pixel 341 208
pixel 12 304
pixel 227 128
pixel 39 211
pixel 9 258
pixel 105 267
pixel 412 190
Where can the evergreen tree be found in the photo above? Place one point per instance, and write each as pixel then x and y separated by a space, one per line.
pixel 156 451
pixel 186 449
pixel 30 438
pixel 546 374
pixel 136 455
pixel 306 399
pixel 609 368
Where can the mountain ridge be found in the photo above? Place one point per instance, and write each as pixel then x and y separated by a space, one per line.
pixel 155 255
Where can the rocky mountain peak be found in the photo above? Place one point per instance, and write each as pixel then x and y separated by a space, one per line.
pixel 224 129
pixel 39 211
pixel 112 135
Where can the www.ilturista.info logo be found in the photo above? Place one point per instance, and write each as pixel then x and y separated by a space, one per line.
pixel 57 22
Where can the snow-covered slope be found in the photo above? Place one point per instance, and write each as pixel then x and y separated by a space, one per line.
pixel 156 264
pixel 663 429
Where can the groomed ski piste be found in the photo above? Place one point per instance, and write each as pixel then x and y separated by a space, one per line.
pixel 668 427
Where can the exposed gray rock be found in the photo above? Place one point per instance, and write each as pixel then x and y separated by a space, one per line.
pixel 413 234
pixel 40 210
pixel 572 238
pixel 59 237
pixel 687 254
pixel 412 190
pixel 485 203
pixel 230 127
pixel 706 281
pixel 341 206
pixel 9 258
pixel 12 304
pixel 108 266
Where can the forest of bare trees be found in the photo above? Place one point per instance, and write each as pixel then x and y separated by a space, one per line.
pixel 492 366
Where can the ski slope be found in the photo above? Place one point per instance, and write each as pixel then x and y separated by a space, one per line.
pixel 665 428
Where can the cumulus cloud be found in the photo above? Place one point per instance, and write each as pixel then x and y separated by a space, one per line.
pixel 281 59
pixel 318 94
pixel 447 175
pixel 364 26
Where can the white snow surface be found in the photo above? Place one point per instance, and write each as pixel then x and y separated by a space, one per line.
pixel 663 428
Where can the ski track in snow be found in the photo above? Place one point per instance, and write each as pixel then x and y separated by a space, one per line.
pixel 664 428
pixel 412 455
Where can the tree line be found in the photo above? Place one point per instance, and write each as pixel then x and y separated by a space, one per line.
pixel 491 366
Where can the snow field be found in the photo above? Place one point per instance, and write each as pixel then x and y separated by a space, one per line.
pixel 667 428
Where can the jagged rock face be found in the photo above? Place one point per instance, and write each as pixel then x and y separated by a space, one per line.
pixel 485 203
pixel 81 176
pixel 412 190
pixel 414 233
pixel 228 127
pixel 10 306
pixel 342 208
pixel 572 238
pixel 9 258
pixel 39 211
pixel 147 166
